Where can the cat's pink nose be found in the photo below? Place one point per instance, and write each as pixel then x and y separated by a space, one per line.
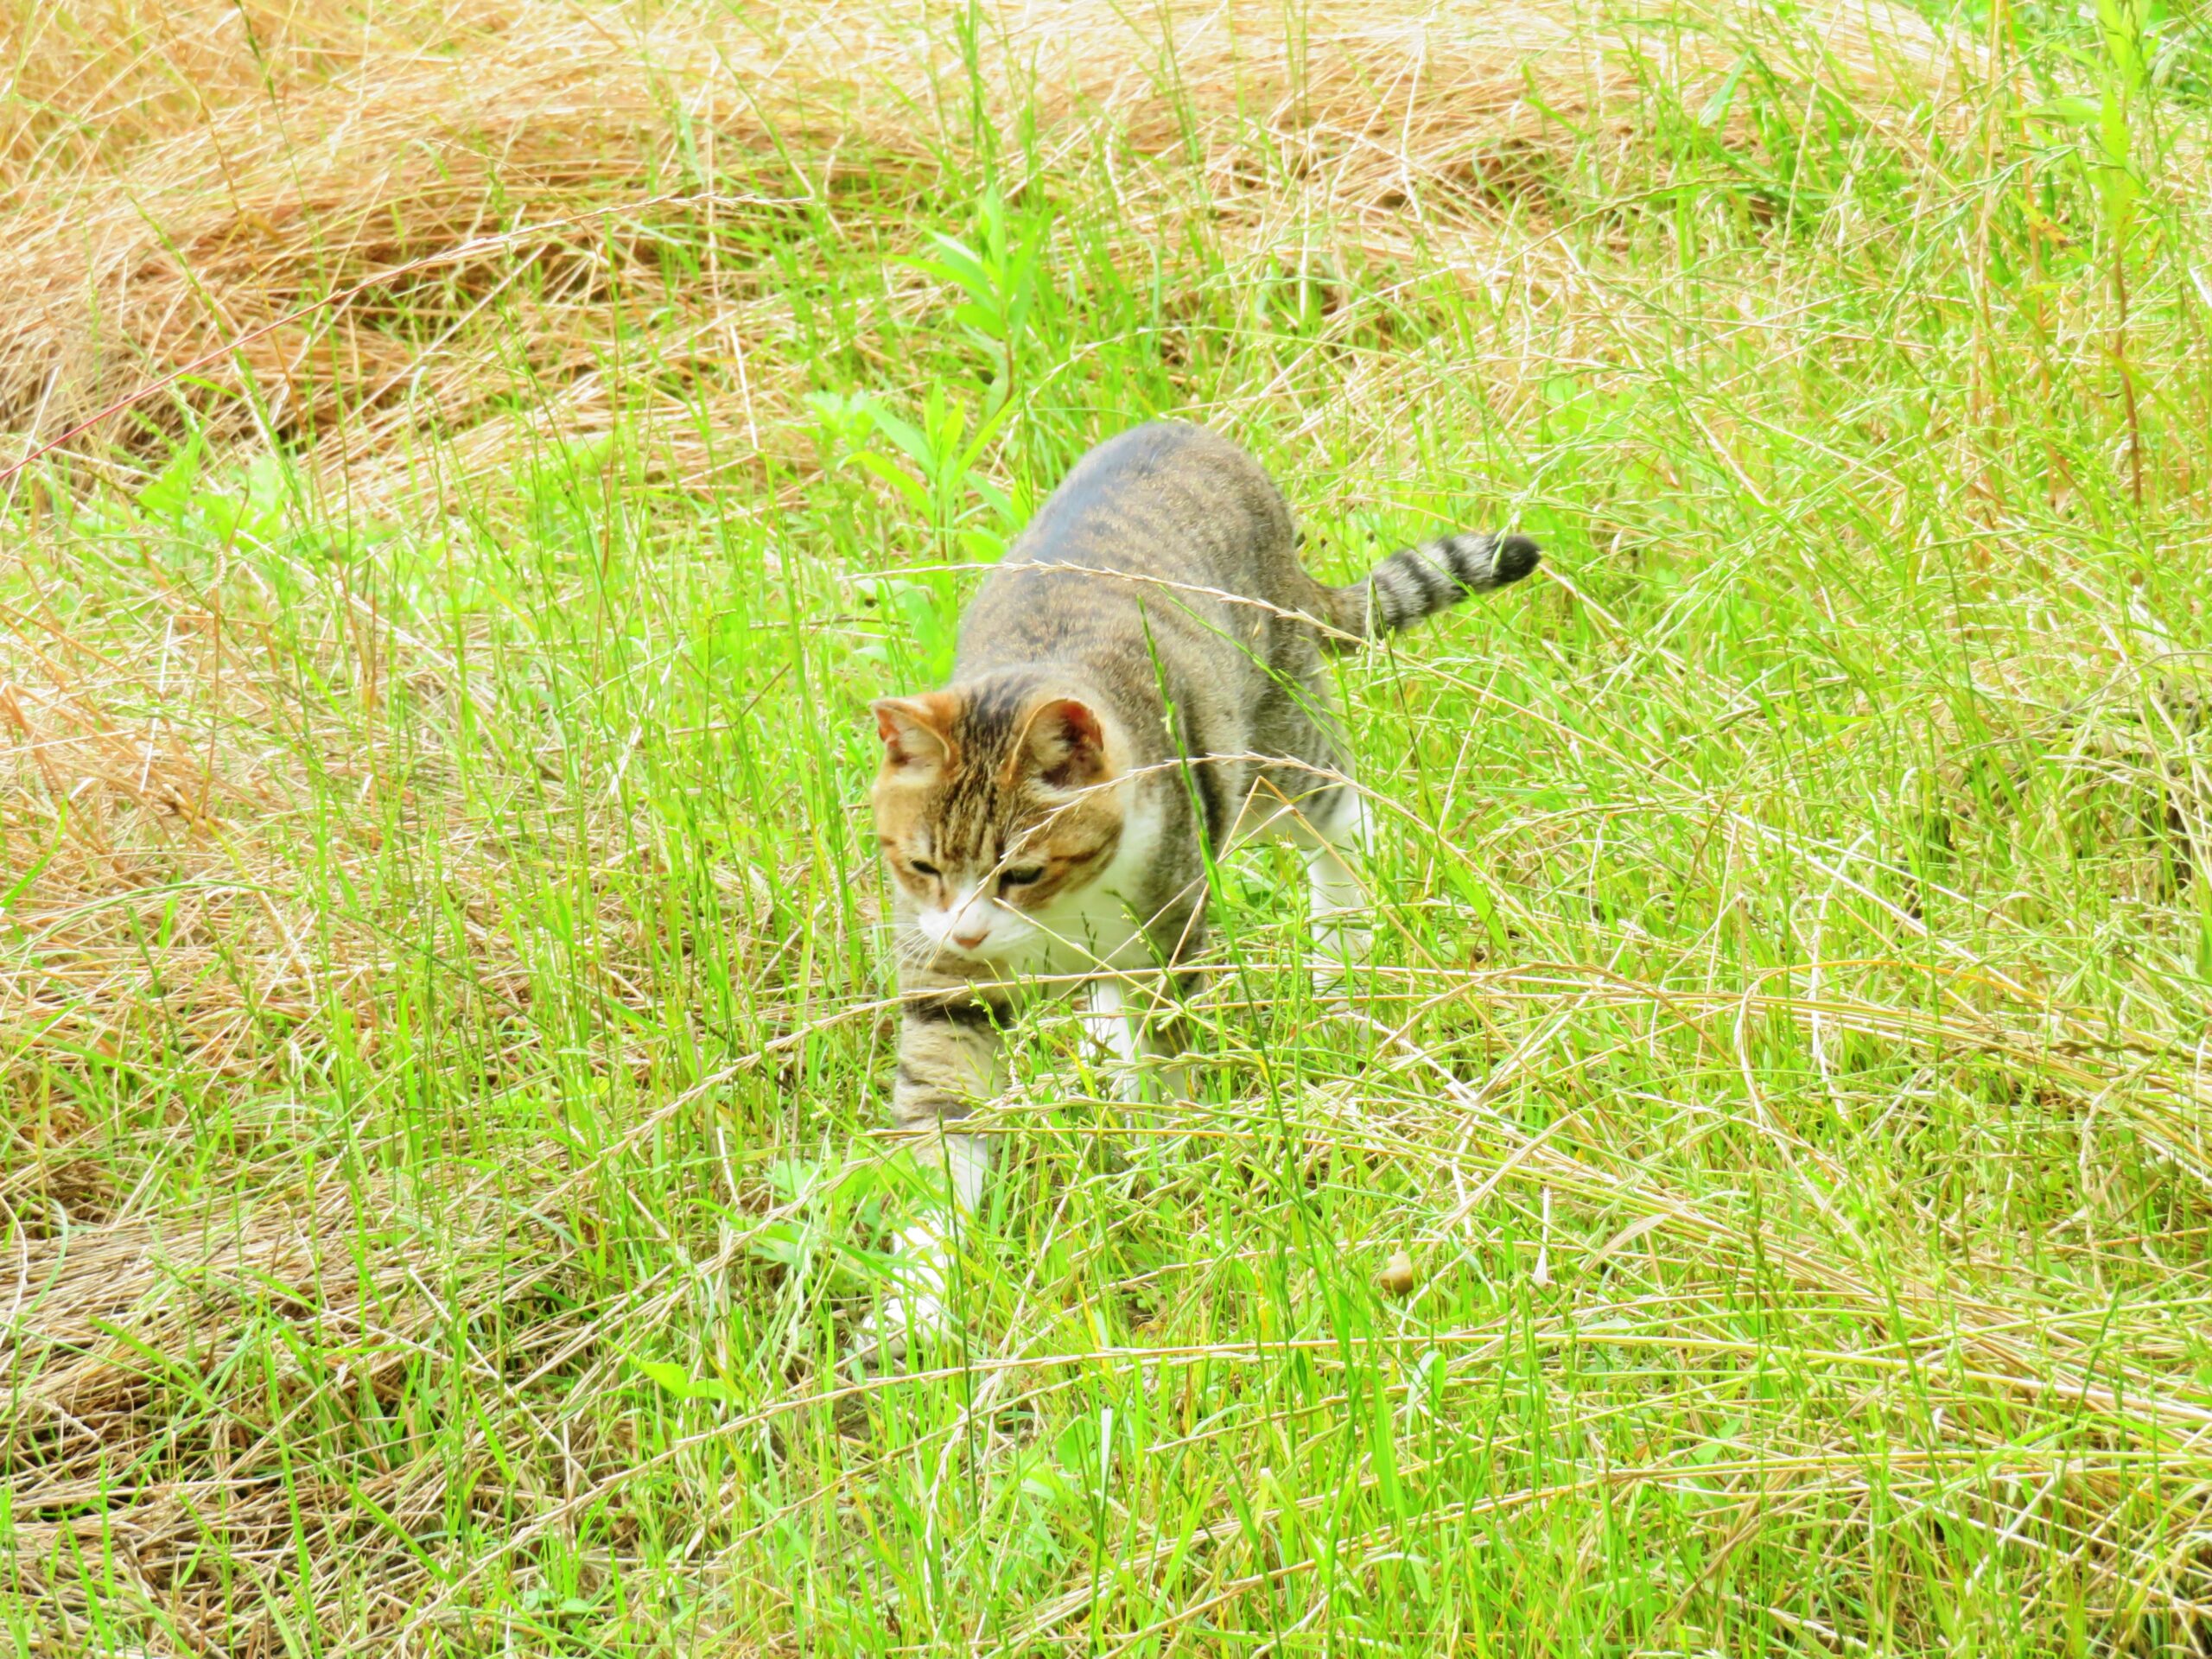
pixel 970 941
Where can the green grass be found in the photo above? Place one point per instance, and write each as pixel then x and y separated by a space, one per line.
pixel 445 1031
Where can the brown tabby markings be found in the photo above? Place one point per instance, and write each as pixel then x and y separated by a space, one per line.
pixel 1049 813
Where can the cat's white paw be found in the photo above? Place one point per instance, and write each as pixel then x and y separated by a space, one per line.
pixel 899 1326
pixel 917 1311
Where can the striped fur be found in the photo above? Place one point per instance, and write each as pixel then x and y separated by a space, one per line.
pixel 1138 681
pixel 1139 685
pixel 1416 583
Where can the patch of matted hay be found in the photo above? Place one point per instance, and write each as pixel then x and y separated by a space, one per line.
pixel 160 1379
pixel 437 160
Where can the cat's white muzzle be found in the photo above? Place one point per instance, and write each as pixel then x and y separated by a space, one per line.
pixel 976 928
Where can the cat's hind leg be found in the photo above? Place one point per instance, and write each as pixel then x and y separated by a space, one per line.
pixel 1331 828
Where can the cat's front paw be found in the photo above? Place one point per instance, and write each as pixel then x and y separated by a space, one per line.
pixel 901 1327
pixel 917 1312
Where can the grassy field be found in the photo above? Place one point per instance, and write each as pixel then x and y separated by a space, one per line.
pixel 477 458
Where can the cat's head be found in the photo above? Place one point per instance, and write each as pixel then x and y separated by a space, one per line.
pixel 993 806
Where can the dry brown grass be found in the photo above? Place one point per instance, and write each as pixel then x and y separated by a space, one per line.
pixel 155 1341
pixel 319 218
pixel 417 244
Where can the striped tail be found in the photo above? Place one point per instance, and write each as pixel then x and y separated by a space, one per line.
pixel 1419 581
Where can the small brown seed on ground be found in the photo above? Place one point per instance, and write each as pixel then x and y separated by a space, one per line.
pixel 1397 1275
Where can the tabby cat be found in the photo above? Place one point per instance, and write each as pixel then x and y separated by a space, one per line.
pixel 1140 680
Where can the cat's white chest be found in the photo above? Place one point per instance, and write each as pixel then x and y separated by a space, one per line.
pixel 1102 926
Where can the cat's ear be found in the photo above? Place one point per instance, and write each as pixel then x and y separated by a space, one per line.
pixel 1063 746
pixel 916 732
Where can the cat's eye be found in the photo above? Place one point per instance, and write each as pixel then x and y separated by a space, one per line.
pixel 1021 878
pixel 921 869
